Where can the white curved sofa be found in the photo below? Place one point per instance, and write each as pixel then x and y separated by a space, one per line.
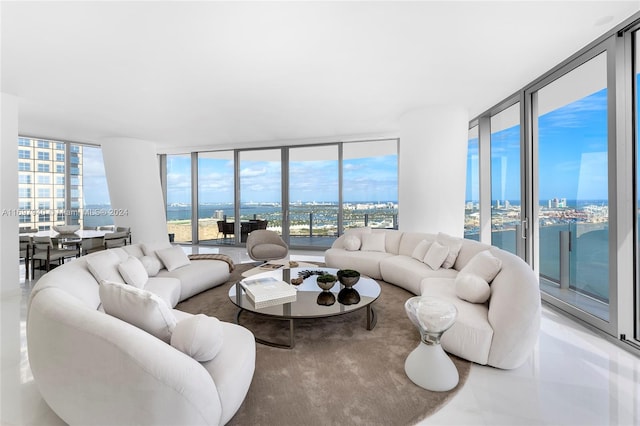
pixel 500 332
pixel 93 368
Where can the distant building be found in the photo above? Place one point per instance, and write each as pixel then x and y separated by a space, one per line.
pixel 41 183
pixel 556 203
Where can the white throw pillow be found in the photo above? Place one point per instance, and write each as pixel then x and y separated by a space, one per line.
pixel 173 258
pixel 151 264
pixel 472 288
pixel 454 244
pixel 436 255
pixel 373 242
pixel 352 242
pixel 104 266
pixel 133 272
pixel 355 232
pixel 421 250
pixel 199 336
pixel 138 307
pixel 149 249
pixel 134 250
pixel 358 231
pixel 484 264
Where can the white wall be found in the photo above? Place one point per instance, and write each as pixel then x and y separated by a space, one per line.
pixel 9 272
pixel 433 158
pixel 133 177
pixel 10 398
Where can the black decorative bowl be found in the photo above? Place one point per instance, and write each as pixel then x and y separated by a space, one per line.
pixel 349 296
pixel 326 298
pixel 348 277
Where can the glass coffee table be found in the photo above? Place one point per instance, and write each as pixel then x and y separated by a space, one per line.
pixel 311 301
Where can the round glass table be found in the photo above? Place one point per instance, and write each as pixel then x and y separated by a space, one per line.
pixel 311 301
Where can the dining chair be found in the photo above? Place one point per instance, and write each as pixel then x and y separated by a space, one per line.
pixel 125 229
pixel 43 250
pixel 115 239
pixel 25 250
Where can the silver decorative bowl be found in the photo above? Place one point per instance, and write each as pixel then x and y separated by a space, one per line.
pixel 66 229
pixel 346 278
pixel 326 285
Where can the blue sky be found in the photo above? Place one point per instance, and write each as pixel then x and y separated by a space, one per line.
pixel 365 179
pixel 96 190
pixel 572 152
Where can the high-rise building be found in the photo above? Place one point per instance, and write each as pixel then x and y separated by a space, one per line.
pixel 42 185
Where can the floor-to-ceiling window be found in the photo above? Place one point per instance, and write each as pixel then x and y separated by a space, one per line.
pixel 216 197
pixel 564 182
pixel 94 192
pixel 370 184
pixel 57 183
pixel 313 195
pixel 505 179
pixel 573 201
pixel 179 197
pixel 306 198
pixel 472 192
pixel 260 190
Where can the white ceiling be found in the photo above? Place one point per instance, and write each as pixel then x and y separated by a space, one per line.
pixel 232 74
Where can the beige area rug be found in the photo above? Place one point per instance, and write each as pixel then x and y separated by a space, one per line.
pixel 339 373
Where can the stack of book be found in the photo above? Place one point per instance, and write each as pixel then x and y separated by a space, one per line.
pixel 268 291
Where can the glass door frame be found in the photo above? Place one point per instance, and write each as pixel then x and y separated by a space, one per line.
pixel 532 164
pixel 523 241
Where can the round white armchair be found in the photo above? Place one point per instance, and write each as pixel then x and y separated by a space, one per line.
pixel 264 245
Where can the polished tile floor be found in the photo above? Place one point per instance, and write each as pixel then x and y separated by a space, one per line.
pixel 573 377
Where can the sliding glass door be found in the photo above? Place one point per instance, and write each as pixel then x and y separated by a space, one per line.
pixel 472 197
pixel 260 191
pixel 505 180
pixel 370 184
pixel 571 116
pixel 179 197
pixel 313 195
pixel 216 197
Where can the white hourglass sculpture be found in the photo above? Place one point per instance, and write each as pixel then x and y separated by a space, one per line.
pixel 428 366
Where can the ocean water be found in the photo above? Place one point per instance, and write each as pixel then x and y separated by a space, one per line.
pixel 588 257
pixel 324 215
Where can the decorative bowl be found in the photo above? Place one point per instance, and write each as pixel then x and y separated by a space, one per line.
pixel 348 277
pixel 66 229
pixel 326 298
pixel 349 296
pixel 326 281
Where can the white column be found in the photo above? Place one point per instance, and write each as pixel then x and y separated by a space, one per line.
pixel 133 176
pixel 10 395
pixel 433 159
pixel 10 275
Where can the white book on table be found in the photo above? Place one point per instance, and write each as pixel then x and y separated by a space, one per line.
pixel 268 291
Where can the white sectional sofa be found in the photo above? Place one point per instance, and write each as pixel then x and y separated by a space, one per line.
pixel 94 368
pixel 500 332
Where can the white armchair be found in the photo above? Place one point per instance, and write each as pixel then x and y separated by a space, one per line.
pixel 264 245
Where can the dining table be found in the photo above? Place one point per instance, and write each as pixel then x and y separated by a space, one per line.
pixel 86 239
